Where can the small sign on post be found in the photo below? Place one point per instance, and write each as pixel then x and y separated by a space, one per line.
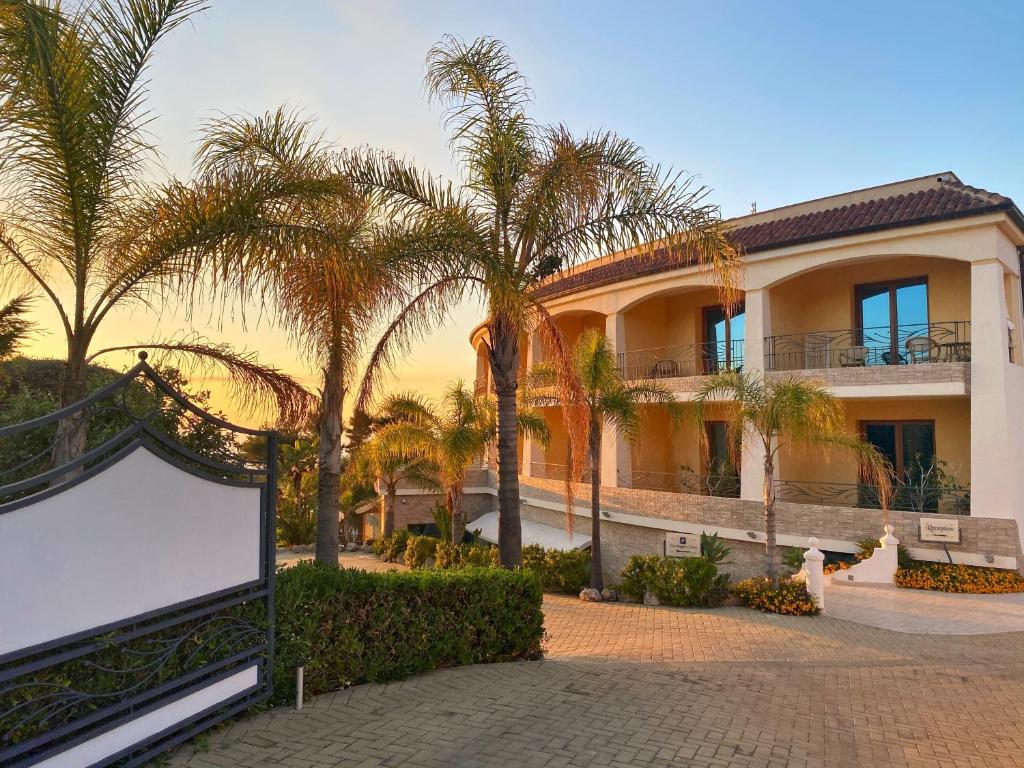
pixel 942 531
pixel 682 543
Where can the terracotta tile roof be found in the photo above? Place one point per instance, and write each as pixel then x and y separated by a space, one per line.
pixel 946 199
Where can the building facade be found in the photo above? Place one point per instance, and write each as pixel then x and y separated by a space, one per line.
pixel 905 299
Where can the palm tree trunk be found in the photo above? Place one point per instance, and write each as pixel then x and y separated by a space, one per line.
pixel 458 519
pixel 770 550
pixel 387 518
pixel 70 440
pixel 504 355
pixel 596 576
pixel 328 491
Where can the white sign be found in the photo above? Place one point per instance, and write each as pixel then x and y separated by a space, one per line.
pixel 682 544
pixel 934 529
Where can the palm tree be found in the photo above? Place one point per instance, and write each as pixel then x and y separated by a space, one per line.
pixel 75 156
pixel 448 438
pixel 611 401
pixel 378 460
pixel 536 200
pixel 786 411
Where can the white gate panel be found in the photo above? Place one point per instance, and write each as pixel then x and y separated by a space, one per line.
pixel 139 536
pixel 152 723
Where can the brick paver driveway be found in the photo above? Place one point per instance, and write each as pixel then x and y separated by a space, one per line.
pixel 627 685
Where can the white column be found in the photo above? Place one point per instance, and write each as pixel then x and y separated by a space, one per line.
pixel 616 460
pixel 994 463
pixel 758 327
pixel 533 452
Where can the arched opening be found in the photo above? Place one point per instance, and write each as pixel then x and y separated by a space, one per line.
pixel 682 332
pixel 886 311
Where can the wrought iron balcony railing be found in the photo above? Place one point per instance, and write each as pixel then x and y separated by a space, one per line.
pixel 905 497
pixel 948 342
pixel 681 360
pixel 722 484
pixel 555 471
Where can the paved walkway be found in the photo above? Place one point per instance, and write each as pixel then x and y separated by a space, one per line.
pixel 921 611
pixel 629 685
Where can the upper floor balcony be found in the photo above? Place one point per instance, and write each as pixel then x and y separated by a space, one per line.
pixel 882 345
pixel 682 360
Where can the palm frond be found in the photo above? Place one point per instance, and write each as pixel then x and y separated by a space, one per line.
pixel 15 327
pixel 253 384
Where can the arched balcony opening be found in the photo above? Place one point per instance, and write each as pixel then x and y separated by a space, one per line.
pixel 672 455
pixel 874 312
pixel 684 332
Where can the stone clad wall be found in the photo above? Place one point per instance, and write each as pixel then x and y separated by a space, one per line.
pixel 978 534
pixel 924 373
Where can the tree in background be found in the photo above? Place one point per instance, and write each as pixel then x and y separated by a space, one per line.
pixel 381 458
pixel 536 200
pixel 773 413
pixel 610 402
pixel 444 440
pixel 77 211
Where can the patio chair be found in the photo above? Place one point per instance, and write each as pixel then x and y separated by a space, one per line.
pixel 922 349
pixel 664 368
pixel 853 357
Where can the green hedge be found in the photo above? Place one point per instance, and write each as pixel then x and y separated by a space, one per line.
pixel 391 547
pixel 689 582
pixel 351 626
pixel 565 572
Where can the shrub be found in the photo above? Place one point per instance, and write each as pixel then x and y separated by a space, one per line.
pixel 689 582
pixel 419 550
pixel 352 626
pixel 562 571
pixel 450 555
pixel 788 597
pixel 946 577
pixel 391 547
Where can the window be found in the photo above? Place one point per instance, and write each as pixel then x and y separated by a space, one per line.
pixel 723 338
pixel 887 315
pixel 908 445
pixel 722 468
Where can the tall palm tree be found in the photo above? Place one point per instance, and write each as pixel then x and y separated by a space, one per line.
pixel 330 294
pixel 775 412
pixel 536 200
pixel 449 438
pixel 609 401
pixel 79 222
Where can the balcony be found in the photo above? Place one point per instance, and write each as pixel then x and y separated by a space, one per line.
pixel 681 360
pixel 945 342
pixel 720 484
pixel 906 497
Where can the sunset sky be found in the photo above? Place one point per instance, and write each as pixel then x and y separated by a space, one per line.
pixel 766 102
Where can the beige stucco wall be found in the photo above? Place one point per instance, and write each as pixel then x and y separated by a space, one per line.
pixel 952 417
pixel 823 299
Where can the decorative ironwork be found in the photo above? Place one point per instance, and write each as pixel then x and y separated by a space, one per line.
pixel 906 497
pixel 720 484
pixel 67 691
pixel 946 342
pixel 681 360
pixel 549 471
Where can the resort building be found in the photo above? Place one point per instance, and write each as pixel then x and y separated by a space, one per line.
pixel 905 299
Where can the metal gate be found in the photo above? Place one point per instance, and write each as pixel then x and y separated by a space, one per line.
pixel 136 578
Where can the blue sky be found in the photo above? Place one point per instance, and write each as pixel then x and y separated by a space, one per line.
pixel 768 102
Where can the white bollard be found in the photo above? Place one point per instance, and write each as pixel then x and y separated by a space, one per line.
pixel 814 564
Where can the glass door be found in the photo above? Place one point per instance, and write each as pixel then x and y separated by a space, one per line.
pixel 723 339
pixel 723 477
pixel 888 314
pixel 909 447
